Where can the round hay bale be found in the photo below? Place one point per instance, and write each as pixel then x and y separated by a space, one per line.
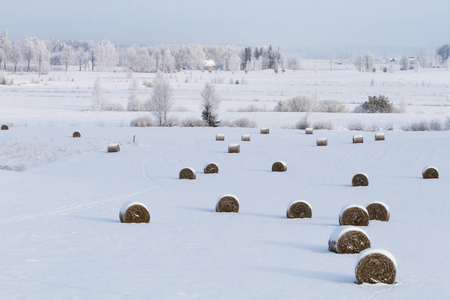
pixel 378 211
pixel 227 203
pixel 220 137
pixel 379 136
pixel 279 166
pixel 114 148
pixel 134 212
pixel 322 142
pixel 264 130
pixel 299 209
pixel 358 139
pixel 188 173
pixel 360 179
pixel 234 148
pixel 211 168
pixel 5 127
pixel 245 138
pixel 354 215
pixel 375 266
pixel 309 131
pixel 348 240
pixel 76 134
pixel 430 173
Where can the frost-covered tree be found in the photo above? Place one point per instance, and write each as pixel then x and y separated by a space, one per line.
pixel 81 58
pixel 405 63
pixel 146 62
pixel 29 52
pixel 199 58
pixel 210 105
pixel 293 63
pixel 444 52
pixel 234 63
pixel 168 62
pixel 98 98
pixel 15 54
pixel 106 56
pixel 42 56
pixel 67 55
pixel 4 47
pixel 134 104
pixel 157 56
pixel 161 101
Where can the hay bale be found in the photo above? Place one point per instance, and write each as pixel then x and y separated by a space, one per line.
pixel 234 148
pixel 211 168
pixel 348 240
pixel 375 266
pixel 188 173
pixel 5 127
pixel 264 130
pixel 227 203
pixel 430 173
pixel 358 139
pixel 379 136
pixel 134 212
pixel 322 142
pixel 299 209
pixel 354 215
pixel 245 138
pixel 76 134
pixel 114 148
pixel 378 211
pixel 360 179
pixel 220 137
pixel 279 166
pixel 309 131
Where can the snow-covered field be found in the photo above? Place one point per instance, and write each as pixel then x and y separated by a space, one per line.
pixel 61 235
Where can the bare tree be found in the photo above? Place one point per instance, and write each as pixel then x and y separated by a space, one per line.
pixel 210 104
pixel 15 55
pixel 42 55
pixel 29 52
pixel 161 101
pixel 133 102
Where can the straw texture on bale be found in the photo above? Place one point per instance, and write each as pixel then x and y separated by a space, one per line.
pixel 322 142
pixel 379 136
pixel 76 134
pixel 354 215
pixel 299 209
pixel 265 131
pixel 114 148
pixel 360 179
pixel 430 173
pixel 279 166
pixel 211 168
pixel 245 138
pixel 378 211
pixel 375 266
pixel 134 212
pixel 234 148
pixel 5 127
pixel 309 131
pixel 188 173
pixel 227 203
pixel 220 137
pixel 358 139
pixel 348 240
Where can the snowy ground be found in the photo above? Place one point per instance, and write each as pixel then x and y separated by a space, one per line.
pixel 62 239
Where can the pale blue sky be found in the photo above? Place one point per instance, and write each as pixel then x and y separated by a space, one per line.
pixel 288 24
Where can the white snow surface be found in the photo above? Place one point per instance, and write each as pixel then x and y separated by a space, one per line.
pixel 340 231
pixel 370 251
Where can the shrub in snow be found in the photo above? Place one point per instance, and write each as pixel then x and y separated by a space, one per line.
pixel 227 203
pixel 354 215
pixel 378 211
pixel 303 123
pixel 279 166
pixel 188 173
pixel 142 122
pixel 360 179
pixel 234 148
pixel 193 122
pixel 348 239
pixel 323 126
pixel 134 212
pixel 299 209
pixel 114 148
pixel 356 126
pixel 430 173
pixel 358 139
pixel 244 123
pixel 380 104
pixel 211 168
pixel 375 266
pixel 330 106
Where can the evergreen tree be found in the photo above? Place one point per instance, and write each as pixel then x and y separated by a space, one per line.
pixel 210 104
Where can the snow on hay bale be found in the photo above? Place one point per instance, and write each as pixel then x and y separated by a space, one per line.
pixel 378 211
pixel 5 127
pixel 379 136
pixel 211 168
pixel 430 172
pixel 375 266
pixel 299 209
pixel 227 203
pixel 348 240
pixel 322 142
pixel 188 173
pixel 220 137
pixel 134 212
pixel 358 139
pixel 264 130
pixel 354 215
pixel 234 148
pixel 360 179
pixel 279 166
pixel 309 131
pixel 245 138
pixel 76 134
pixel 114 148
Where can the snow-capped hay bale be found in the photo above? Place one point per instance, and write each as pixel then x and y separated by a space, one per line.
pixel 360 179
pixel 358 139
pixel 375 266
pixel 211 168
pixel 322 142
pixel 265 131
pixel 76 134
pixel 279 166
pixel 378 211
pixel 379 136
pixel 114 148
pixel 5 127
pixel 348 240
pixel 220 137
pixel 227 203
pixel 234 148
pixel 134 212
pixel 245 138
pixel 188 173
pixel 354 215
pixel 430 172
pixel 299 209
pixel 309 131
